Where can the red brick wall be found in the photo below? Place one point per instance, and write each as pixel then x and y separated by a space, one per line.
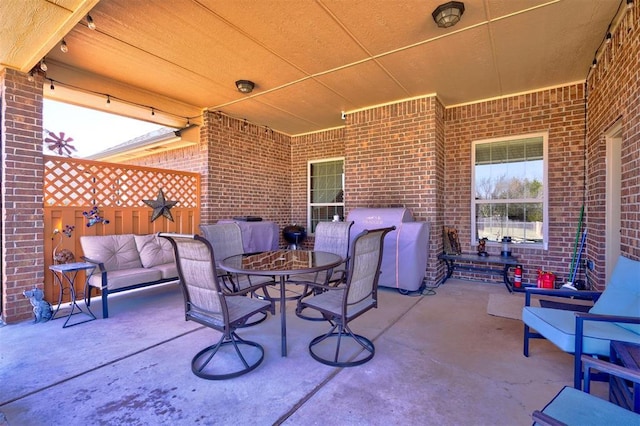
pixel 245 169
pixel 394 158
pixel 22 181
pixel 561 113
pixel 613 96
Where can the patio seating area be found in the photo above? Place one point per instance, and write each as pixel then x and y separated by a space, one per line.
pixel 440 359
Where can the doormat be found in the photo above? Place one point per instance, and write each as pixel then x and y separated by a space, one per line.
pixel 508 305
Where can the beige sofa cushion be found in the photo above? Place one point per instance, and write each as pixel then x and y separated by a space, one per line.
pixel 154 250
pixel 117 252
pixel 167 270
pixel 125 278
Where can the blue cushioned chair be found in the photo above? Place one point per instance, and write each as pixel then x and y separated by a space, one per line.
pixel 614 316
pixel 574 407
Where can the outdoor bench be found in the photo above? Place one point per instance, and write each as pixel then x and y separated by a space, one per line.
pixel 127 261
pixel 480 264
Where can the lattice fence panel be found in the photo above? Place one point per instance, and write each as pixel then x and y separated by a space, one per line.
pixel 73 182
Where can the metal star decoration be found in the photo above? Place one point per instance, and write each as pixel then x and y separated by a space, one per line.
pixel 160 206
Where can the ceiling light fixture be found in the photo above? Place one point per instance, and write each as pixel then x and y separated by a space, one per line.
pixel 43 65
pixel 245 86
pixel 52 87
pixel 448 14
pixel 90 23
pixel 64 47
pixel 629 4
pixel 108 100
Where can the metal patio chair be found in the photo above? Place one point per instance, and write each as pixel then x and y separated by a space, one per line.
pixel 340 346
pixel 208 304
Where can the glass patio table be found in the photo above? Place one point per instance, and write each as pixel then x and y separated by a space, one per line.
pixel 281 263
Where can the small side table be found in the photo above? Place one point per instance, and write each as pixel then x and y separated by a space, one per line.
pixel 627 355
pixel 65 275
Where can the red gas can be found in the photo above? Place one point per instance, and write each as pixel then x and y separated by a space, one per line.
pixel 546 279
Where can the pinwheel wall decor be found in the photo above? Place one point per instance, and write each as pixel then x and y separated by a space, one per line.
pixel 60 143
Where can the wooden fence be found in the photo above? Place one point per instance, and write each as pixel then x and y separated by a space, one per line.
pixel 72 187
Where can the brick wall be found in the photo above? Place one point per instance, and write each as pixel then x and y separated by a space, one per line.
pixel 613 97
pixel 561 113
pixel 245 169
pixel 394 158
pixel 22 181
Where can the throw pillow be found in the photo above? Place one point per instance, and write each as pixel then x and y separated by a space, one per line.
pixel 154 250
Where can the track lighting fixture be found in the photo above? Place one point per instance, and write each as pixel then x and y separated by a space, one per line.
pixel 629 4
pixel 608 38
pixel 108 96
pixel 31 76
pixel 43 65
pixel 64 47
pixel 90 24
pixel 594 63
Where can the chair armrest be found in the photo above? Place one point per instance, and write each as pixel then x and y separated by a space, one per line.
pixel 543 419
pixel 581 317
pixel 586 316
pixel 573 294
pixel 608 367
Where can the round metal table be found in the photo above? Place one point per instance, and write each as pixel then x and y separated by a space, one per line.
pixel 281 263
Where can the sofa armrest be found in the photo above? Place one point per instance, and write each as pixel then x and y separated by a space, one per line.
pixel 573 294
pixel 101 267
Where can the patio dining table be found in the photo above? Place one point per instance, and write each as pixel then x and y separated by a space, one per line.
pixel 282 263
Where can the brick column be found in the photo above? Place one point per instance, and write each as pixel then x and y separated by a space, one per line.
pixel 22 180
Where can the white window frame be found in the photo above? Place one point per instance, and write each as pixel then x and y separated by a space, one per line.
pixel 311 205
pixel 545 184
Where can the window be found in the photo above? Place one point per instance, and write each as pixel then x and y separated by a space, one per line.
pixel 509 183
pixel 326 191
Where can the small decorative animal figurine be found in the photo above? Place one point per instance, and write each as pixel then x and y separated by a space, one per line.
pixel 41 308
pixel 482 247
pixel 93 217
pixel 64 256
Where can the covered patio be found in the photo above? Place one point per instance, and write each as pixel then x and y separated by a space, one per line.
pixel 440 359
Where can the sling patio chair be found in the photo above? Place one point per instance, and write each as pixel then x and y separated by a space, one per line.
pixel 340 305
pixel 208 304
pixel 331 237
pixel 226 240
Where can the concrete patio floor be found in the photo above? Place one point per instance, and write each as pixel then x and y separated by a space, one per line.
pixel 440 359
